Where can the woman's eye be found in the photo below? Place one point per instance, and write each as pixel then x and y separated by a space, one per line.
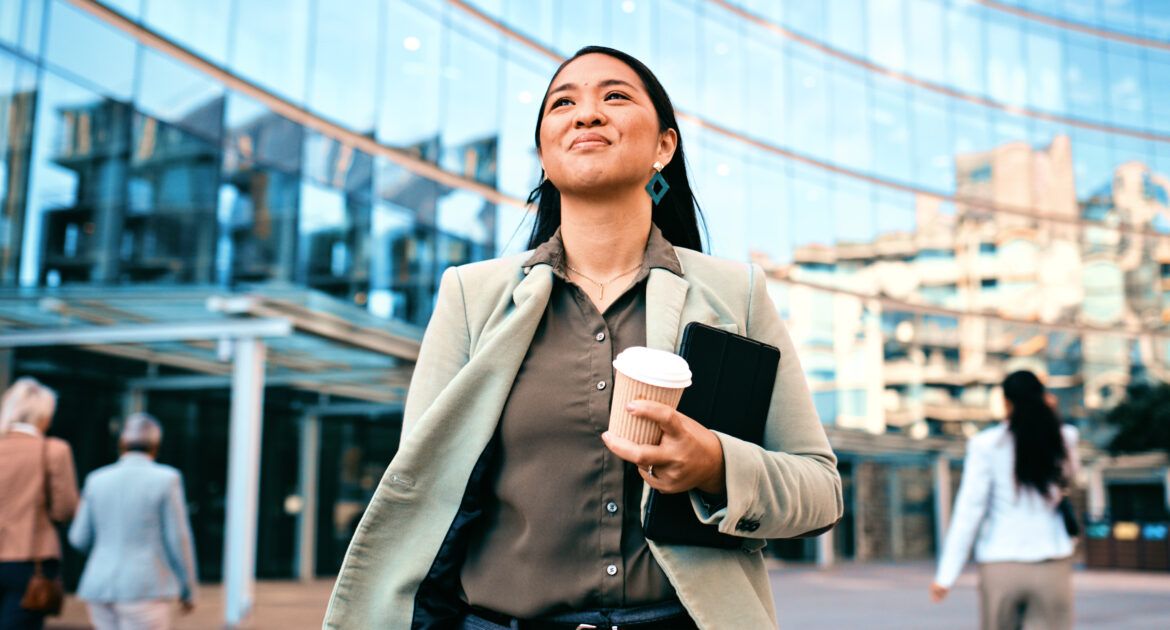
pixel 560 101
pixel 616 95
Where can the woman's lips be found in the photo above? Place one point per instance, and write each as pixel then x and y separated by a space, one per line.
pixel 589 140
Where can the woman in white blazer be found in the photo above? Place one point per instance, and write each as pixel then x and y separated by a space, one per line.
pixel 1008 508
pixel 504 461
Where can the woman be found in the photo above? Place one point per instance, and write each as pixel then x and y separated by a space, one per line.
pixel 506 503
pixel 1007 507
pixel 28 462
pixel 133 524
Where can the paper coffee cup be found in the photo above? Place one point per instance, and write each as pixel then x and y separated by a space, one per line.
pixel 645 374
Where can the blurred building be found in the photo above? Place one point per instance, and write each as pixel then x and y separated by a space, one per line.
pixel 234 214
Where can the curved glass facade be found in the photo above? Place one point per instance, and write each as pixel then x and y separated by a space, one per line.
pixel 941 190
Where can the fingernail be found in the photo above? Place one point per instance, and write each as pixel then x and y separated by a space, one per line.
pixel 605 436
pixel 631 407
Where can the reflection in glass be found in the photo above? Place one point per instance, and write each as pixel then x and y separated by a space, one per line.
pixel 17 103
pixel 408 114
pixel 201 25
pixel 270 44
pixel 72 39
pixel 335 218
pixel 343 76
pixel 258 196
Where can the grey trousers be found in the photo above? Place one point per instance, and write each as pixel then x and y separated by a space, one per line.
pixel 1026 595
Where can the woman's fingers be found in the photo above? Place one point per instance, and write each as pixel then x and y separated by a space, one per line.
pixel 641 455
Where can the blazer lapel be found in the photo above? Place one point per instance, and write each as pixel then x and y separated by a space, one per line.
pixel 666 294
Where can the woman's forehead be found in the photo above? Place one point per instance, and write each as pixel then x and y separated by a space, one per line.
pixel 594 68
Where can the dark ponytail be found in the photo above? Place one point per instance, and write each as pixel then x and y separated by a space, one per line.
pixel 1035 426
pixel 676 215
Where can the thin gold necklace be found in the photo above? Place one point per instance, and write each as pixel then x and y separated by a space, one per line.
pixel 601 285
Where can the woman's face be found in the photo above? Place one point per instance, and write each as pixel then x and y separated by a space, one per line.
pixel 600 130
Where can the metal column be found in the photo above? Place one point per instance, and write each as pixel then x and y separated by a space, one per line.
pixel 307 519
pixel 942 499
pixel 826 552
pixel 247 408
pixel 1095 492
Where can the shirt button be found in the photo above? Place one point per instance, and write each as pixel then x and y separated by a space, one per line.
pixel 611 569
pixel 601 336
pixel 611 507
pixel 600 385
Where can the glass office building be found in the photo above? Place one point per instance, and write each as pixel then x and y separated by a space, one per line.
pixel 941 191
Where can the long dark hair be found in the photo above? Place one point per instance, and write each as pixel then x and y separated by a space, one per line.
pixel 677 214
pixel 1040 448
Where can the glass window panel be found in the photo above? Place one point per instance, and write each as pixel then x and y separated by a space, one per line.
pixel 201 25
pixel 270 45
pixel 169 231
pixel 1120 15
pixel 927 48
pixel 850 144
pixel 1045 55
pixel 1158 88
pixel 764 90
pixel 807 18
pixel 721 181
pixel 513 227
pixel 470 131
pixel 344 68
pixel 10 21
pixel 1007 128
pixel 853 211
pixel 1084 11
pixel 808 104
pixel 74 35
pixel 971 133
pixel 631 25
pixel 895 212
pixel 1007 79
pixel 677 54
pixel 17 103
pixel 1092 162
pixel 812 223
pixel 258 198
pixel 886 33
pixel 402 270
pixel 965 58
pixel 173 92
pixel 1156 19
pixel 578 25
pixel 1127 101
pixel 933 146
pixel 524 84
pixel 77 186
pixel 1084 76
pixel 32 20
pixel 410 62
pixel 889 120
pixel 535 19
pixel 846 29
pixel 722 59
pixel 768 202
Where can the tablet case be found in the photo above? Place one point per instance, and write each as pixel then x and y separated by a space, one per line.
pixel 731 390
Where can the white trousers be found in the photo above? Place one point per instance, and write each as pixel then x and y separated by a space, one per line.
pixel 151 614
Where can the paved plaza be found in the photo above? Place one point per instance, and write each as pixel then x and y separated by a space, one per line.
pixel 870 596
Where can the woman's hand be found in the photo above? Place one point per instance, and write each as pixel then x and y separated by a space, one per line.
pixel 938 592
pixel 689 456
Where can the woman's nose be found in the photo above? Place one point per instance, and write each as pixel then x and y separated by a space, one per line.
pixel 588 115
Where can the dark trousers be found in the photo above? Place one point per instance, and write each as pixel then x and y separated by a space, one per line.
pixel 14 577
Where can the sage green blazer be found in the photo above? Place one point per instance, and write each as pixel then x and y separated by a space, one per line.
pixel 484 321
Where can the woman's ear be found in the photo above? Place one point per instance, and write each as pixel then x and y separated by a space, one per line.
pixel 667 143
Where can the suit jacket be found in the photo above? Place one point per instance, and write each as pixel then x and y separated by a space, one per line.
pixel 133 523
pixel 22 495
pixel 484 320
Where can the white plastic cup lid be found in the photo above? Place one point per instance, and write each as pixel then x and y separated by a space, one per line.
pixel 654 367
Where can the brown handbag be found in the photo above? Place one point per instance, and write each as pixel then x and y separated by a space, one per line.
pixel 44 594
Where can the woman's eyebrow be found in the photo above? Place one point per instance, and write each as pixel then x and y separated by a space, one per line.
pixel 565 87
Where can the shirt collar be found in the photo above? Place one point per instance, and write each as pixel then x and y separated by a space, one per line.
pixel 134 456
pixel 26 428
pixel 659 254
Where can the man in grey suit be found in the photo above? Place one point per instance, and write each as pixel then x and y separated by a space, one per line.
pixel 133 523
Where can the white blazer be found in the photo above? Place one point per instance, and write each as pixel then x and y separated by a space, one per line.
pixel 1005 523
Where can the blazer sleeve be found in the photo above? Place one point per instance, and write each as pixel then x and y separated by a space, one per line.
pixel 789 486
pixel 970 507
pixel 177 532
pixel 445 349
pixel 62 481
pixel 81 531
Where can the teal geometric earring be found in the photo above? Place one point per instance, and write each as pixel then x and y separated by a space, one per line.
pixel 657 187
